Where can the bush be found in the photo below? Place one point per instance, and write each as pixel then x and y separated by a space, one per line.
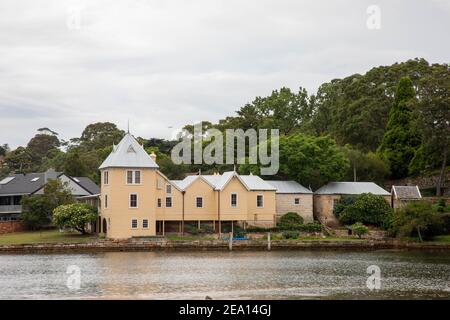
pixel 75 216
pixel 419 218
pixel 290 221
pixel 311 227
pixel 366 208
pixel 291 234
pixel 359 229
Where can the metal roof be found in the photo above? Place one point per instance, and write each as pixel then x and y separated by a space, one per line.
pixel 288 187
pixel 128 154
pixel 407 192
pixel 352 188
pixel 19 184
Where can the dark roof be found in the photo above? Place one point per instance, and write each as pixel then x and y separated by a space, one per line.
pixel 18 184
pixel 406 192
pixel 88 184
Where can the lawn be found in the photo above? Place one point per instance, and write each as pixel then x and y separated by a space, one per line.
pixel 445 238
pixel 47 236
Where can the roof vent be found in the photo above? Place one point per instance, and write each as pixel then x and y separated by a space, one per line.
pixel 35 179
pixel 131 149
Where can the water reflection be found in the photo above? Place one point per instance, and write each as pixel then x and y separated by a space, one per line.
pixel 221 275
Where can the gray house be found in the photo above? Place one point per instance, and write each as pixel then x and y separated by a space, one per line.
pixel 14 187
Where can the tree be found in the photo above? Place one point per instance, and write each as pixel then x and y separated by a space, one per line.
pixel 4 149
pixel 39 146
pixel 37 209
pixel 365 166
pixel 100 135
pixel 366 208
pixel 74 165
pixel 75 216
pixel 417 216
pixel 290 221
pixel 433 117
pixel 359 229
pixel 312 161
pixel 19 160
pixel 401 141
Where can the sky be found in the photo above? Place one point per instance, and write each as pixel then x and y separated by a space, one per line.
pixel 162 64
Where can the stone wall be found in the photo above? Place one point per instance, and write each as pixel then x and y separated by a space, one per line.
pixel 286 203
pixel 424 182
pixel 11 226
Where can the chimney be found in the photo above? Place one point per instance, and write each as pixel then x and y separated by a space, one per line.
pixel 50 174
pixel 153 156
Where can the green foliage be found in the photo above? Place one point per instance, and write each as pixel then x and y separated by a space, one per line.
pixel 37 209
pixel 74 165
pixel 417 217
pixel 100 135
pixel 291 234
pixel 359 229
pixel 313 161
pixel 312 227
pixel 290 221
pixel 39 146
pixel 400 140
pixel 367 166
pixel 366 208
pixel 75 216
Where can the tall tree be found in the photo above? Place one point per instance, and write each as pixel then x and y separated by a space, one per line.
pixel 434 120
pixel 401 141
pixel 100 135
pixel 40 145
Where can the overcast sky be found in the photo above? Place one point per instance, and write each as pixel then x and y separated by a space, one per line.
pixel 166 63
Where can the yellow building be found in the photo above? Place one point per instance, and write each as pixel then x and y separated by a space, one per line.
pixel 137 200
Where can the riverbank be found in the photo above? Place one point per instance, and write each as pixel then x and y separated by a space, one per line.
pixel 164 244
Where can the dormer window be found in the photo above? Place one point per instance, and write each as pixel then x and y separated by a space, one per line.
pixel 133 177
pixel 131 149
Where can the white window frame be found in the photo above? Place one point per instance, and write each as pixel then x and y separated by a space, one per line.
pixel 143 223
pixel 196 203
pixel 171 202
pixel 231 200
pixel 262 198
pixel 133 177
pixel 137 201
pixel 137 223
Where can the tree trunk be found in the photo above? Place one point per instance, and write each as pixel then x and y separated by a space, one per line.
pixel 420 235
pixel 441 175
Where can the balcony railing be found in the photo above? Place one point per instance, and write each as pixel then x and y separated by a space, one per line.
pixel 10 209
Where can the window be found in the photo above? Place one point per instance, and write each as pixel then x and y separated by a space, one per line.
pixel 133 177
pixel 259 201
pixel 297 201
pixel 129 177
pixel 133 200
pixel 137 177
pixel 106 201
pixel 168 188
pixel 199 202
pixel 234 200
pixel 169 202
pixel 105 177
pixel 145 224
pixel 159 202
pixel 134 223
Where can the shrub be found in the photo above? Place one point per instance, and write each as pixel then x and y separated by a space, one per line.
pixel 75 216
pixel 291 234
pixel 417 217
pixel 359 229
pixel 367 208
pixel 311 227
pixel 290 221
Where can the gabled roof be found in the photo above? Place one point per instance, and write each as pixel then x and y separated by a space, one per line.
pixel 352 188
pixel 288 187
pixel 128 154
pixel 219 182
pixel 407 192
pixel 20 184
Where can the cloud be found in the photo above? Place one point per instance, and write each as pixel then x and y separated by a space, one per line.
pixel 167 63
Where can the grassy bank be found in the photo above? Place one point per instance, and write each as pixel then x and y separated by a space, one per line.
pixel 47 236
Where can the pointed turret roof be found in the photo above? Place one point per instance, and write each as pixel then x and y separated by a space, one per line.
pixel 128 154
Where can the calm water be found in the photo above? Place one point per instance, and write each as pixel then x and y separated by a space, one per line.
pixel 222 275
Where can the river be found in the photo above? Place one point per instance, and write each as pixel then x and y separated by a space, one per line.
pixel 225 275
